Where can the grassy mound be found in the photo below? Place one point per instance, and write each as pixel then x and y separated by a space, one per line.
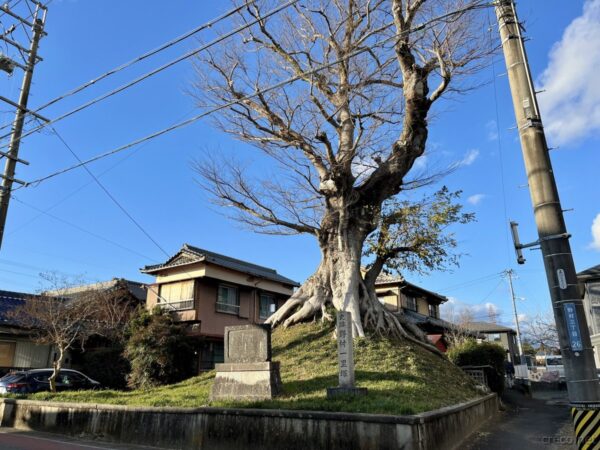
pixel 402 378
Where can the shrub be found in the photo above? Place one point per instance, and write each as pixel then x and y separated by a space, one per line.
pixel 106 365
pixel 158 350
pixel 470 353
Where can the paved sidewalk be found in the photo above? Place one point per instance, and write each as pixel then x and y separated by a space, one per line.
pixel 527 424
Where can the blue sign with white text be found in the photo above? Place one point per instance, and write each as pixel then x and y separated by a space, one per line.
pixel 573 327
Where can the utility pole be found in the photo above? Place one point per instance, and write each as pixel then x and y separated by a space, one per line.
pixel 509 273
pixel 573 332
pixel 37 28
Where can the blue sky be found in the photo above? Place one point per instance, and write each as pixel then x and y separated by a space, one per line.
pixel 156 184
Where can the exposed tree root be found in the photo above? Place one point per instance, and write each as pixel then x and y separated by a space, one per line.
pixel 313 297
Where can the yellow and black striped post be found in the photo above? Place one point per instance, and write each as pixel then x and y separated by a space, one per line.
pixel 587 428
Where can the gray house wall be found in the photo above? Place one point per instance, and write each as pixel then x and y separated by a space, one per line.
pixel 591 302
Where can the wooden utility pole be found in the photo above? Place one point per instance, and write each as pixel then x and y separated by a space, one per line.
pixel 8 177
pixel 573 333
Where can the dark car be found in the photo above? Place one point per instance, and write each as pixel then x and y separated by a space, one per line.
pixel 36 380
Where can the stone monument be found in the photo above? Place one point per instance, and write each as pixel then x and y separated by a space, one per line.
pixel 248 372
pixel 345 359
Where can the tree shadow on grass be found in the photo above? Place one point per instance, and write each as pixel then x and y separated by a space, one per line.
pixel 363 378
pixel 304 339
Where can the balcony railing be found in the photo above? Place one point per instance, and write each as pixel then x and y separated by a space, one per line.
pixel 177 306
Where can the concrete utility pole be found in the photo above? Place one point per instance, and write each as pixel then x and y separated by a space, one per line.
pixel 37 28
pixel 573 333
pixel 509 273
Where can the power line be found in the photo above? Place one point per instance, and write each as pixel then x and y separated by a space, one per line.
pixel 109 195
pixel 83 230
pixel 121 161
pixel 136 60
pixel 470 282
pixel 157 70
pixel 500 154
pixel 239 100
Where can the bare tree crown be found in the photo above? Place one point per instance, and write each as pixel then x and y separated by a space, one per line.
pixel 349 128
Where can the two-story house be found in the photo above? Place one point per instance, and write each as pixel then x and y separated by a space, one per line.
pixel 422 306
pixel 208 291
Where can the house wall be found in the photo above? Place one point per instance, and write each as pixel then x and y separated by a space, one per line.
pixel 213 322
pixel 390 297
pixel 29 355
pixel 591 305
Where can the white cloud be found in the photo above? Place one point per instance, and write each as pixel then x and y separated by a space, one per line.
pixel 457 310
pixel 476 199
pixel 596 233
pixel 469 157
pixel 492 130
pixel 571 104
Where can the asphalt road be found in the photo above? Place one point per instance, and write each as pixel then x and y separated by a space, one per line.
pixel 11 439
pixel 528 424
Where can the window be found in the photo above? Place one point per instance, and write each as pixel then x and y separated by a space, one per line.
pixel 228 300
pixel 267 306
pixel 434 311
pixel 494 337
pixel 411 303
pixel 177 296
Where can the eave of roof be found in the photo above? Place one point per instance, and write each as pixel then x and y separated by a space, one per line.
pixel 591 273
pixel 217 259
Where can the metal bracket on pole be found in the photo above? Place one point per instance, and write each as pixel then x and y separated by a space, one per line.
pixel 519 246
pixel 9 156
pixel 28 111
pixel 14 180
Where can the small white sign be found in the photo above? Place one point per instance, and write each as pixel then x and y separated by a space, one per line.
pixel 562 279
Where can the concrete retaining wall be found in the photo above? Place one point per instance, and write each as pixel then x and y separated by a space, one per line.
pixel 232 429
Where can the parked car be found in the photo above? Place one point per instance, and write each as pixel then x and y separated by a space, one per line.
pixel 36 380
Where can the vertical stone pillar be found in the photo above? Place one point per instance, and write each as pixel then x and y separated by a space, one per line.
pixel 345 349
pixel 345 358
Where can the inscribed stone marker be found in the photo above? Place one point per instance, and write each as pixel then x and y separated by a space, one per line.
pixel 345 349
pixel 345 359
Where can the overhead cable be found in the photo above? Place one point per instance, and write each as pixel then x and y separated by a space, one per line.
pixel 292 79
pixel 136 60
pixel 157 70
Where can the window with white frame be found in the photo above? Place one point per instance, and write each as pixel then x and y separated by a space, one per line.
pixel 228 300
pixel 267 306
pixel 177 296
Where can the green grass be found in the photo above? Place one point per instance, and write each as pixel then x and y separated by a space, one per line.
pixel 402 378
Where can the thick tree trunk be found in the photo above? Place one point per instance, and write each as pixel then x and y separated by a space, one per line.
pixel 339 282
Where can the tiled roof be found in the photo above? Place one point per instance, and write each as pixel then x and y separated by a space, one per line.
pixel 190 254
pixel 488 327
pixel 8 301
pixel 592 272
pixel 135 288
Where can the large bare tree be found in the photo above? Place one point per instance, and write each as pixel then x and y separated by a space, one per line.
pixel 345 133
